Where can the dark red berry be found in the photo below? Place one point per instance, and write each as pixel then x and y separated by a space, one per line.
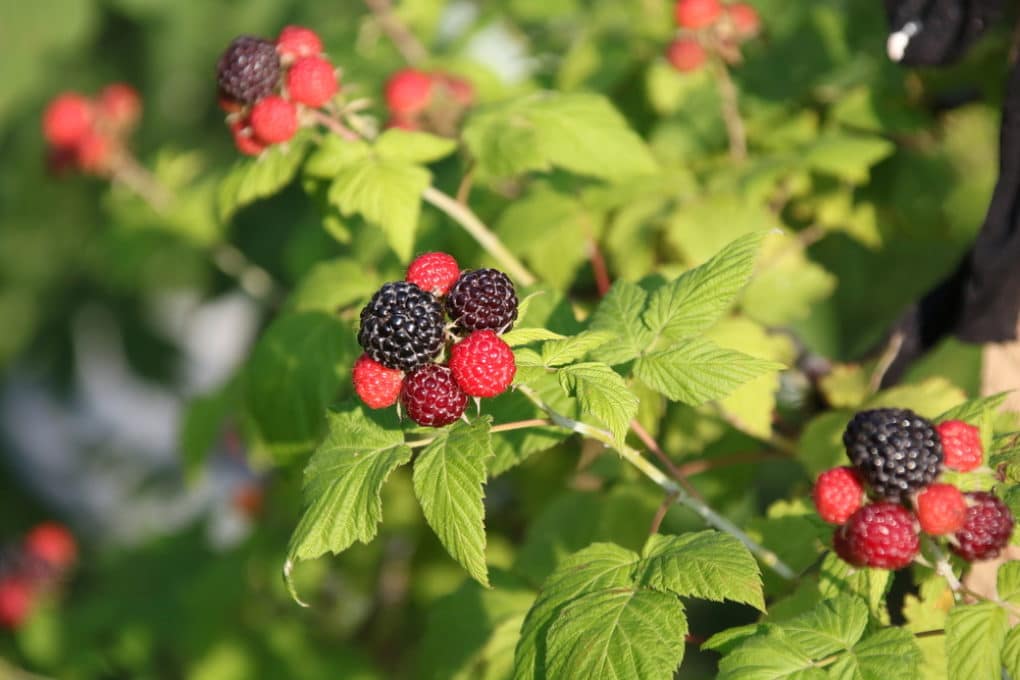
pixel 880 535
pixel 432 397
pixel 987 529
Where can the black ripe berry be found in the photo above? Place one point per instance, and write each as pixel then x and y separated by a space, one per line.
pixel 402 326
pixel 248 70
pixel 896 451
pixel 483 299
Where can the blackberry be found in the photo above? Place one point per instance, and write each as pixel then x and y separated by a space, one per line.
pixel 483 299
pixel 987 529
pixel 402 326
pixel 896 451
pixel 249 69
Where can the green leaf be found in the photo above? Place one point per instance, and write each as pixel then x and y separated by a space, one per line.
pixel 787 284
pixel 386 193
pixel 599 567
pixel 332 285
pixel 833 625
pixel 771 656
pixel 848 157
pixel 620 634
pixel 526 336
pixel 707 564
pixel 414 147
pixel 975 636
pixel 620 313
pixel 448 479
pixel 578 132
pixel 1008 582
pixel 889 654
pixel 560 352
pixel 696 371
pixel 293 375
pixel 252 179
pixel 973 410
pixel 342 484
pixel 334 154
pixel 1011 652
pixel 602 393
pixel 696 299
pixel 836 577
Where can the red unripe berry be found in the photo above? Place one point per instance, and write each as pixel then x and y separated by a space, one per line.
pixel 120 105
pixel 696 14
pixel 482 364
pixel 838 493
pixel 744 19
pixel 244 138
pixel 92 152
pixel 408 91
pixel 686 54
pixel 941 509
pixel 434 272
pixel 459 89
pixel 296 42
pixel 377 385
pixel 879 535
pixel 274 119
pixel 311 81
pixel 431 397
pixel 67 119
pixel 53 544
pixel 15 601
pixel 961 445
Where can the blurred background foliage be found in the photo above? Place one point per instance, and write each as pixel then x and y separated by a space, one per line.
pixel 878 177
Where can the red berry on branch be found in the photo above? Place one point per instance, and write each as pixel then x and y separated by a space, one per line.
pixel 838 493
pixel 686 54
pixel 482 364
pixel 744 19
pixel 377 385
pixel 16 599
pixel 92 153
pixel 434 272
pixel 697 14
pixel 432 397
pixel 120 105
pixel 297 42
pixel 312 81
pixel 987 529
pixel 961 445
pixel 274 119
pixel 53 544
pixel 941 509
pixel 244 138
pixel 880 535
pixel 408 91
pixel 67 119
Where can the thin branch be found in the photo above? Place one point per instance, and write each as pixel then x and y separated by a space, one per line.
pixel 649 441
pixel 471 223
pixel 698 467
pixel 466 182
pixel 136 178
pixel 634 457
pixel 885 362
pixel 334 125
pixel 730 110
pixel 660 514
pixel 504 427
pixel 410 48
pixel 598 266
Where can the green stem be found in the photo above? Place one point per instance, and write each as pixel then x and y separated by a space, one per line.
pixel 463 215
pixel 670 487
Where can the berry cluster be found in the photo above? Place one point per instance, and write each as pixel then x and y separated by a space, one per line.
pixel 710 26
pixel 897 456
pixel 32 569
pixel 263 86
pixel 86 133
pixel 404 332
pixel 418 100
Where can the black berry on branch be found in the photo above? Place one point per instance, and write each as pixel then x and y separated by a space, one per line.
pixel 896 451
pixel 483 299
pixel 249 69
pixel 402 326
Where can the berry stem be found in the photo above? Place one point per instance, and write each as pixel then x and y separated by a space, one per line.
pixel 672 488
pixel 730 109
pixel 410 48
pixel 466 218
pixel 503 427
pixel 333 125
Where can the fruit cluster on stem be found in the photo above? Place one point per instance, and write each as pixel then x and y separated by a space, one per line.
pixel 89 134
pixel 35 568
